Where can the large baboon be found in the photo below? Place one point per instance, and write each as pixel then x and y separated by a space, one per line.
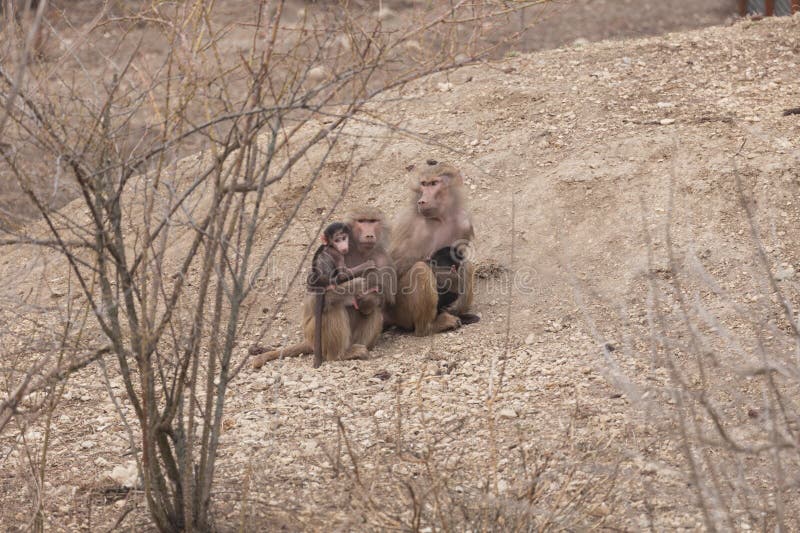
pixel 352 315
pixel 435 220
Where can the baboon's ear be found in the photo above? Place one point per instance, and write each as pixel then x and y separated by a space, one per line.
pixel 454 178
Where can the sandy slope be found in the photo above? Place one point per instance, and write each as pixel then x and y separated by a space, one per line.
pixel 579 149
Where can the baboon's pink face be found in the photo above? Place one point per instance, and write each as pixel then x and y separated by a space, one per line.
pixel 431 196
pixel 366 232
pixel 341 241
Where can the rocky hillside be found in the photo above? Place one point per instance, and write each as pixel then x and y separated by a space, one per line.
pixel 620 277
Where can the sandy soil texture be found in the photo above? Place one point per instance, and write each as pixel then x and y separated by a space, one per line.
pixel 614 253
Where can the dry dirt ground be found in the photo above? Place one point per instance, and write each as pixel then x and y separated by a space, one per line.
pixel 577 159
pixel 547 26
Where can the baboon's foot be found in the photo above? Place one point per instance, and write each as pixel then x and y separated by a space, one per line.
pixel 446 322
pixel 257 349
pixel 469 318
pixel 357 351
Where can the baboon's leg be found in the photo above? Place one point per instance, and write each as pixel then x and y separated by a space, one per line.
pixel 444 322
pixel 356 351
pixel 335 328
pixel 466 283
pixel 335 334
pixel 366 328
pixel 319 305
pixel 416 299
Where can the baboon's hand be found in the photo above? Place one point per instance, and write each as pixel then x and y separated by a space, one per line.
pixel 369 302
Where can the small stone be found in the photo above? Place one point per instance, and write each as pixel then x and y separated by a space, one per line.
pixel 125 475
pixel 382 375
pixel 87 444
pixel 317 75
pixel 260 383
pixel 31 436
pixel 666 121
pixel 384 13
pixel 413 45
pixel 580 41
pixel 344 42
pixel 785 273
pixel 444 87
pixel 601 510
pixel 507 412
pixel 286 459
pixel 530 339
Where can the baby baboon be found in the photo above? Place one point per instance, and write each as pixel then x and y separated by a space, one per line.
pixel 445 263
pixel 328 270
pixel 435 220
pixel 328 267
pixel 351 315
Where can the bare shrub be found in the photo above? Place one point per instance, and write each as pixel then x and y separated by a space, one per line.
pixel 155 258
pixel 424 481
pixel 721 389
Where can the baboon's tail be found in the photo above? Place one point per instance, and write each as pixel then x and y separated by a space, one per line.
pixel 289 351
